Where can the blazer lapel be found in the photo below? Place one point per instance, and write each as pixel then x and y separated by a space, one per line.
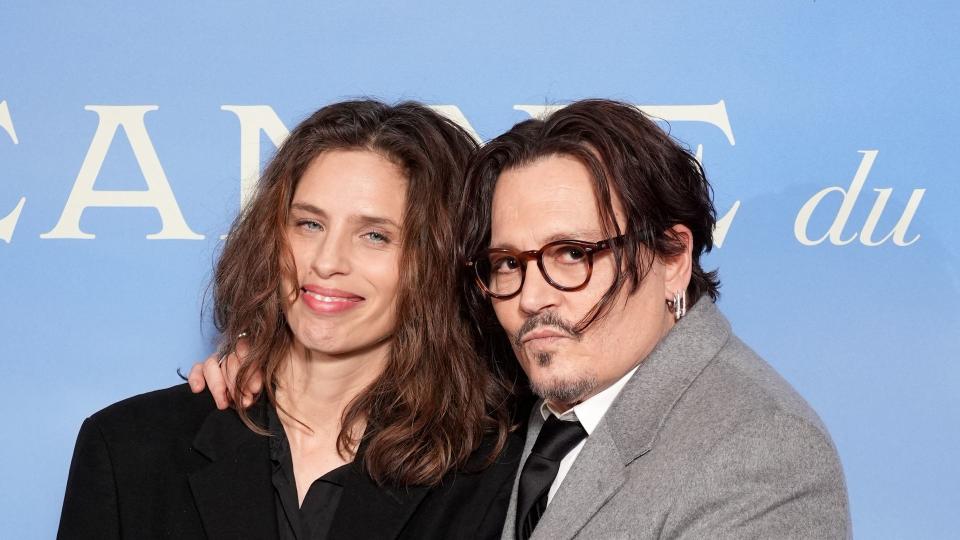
pixel 595 476
pixel 636 416
pixel 234 493
pixel 370 511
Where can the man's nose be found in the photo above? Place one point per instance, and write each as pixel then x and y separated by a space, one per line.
pixel 537 294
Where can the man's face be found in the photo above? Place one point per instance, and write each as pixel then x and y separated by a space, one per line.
pixel 553 199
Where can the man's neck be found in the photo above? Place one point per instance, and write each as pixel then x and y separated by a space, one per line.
pixel 592 408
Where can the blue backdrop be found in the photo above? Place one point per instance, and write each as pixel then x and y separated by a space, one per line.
pixel 827 128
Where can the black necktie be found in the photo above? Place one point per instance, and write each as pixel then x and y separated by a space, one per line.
pixel 555 440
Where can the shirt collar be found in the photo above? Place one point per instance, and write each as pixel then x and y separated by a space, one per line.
pixel 590 411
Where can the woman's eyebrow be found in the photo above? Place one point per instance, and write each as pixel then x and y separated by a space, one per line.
pixel 374 220
pixel 306 207
pixel 360 219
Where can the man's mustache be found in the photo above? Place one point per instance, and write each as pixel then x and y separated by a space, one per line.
pixel 546 318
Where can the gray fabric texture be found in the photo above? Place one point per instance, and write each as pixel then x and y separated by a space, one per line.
pixel 706 440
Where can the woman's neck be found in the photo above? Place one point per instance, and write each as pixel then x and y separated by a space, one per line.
pixel 314 388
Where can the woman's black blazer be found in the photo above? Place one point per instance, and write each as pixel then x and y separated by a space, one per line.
pixel 167 464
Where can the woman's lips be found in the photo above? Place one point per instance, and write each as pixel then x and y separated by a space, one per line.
pixel 324 300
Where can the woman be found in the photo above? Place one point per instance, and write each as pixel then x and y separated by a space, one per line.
pixel 376 416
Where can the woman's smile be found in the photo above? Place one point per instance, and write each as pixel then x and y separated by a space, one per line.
pixel 326 301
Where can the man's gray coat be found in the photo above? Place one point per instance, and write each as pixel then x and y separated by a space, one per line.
pixel 704 441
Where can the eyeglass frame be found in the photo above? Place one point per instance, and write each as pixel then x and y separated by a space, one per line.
pixel 524 257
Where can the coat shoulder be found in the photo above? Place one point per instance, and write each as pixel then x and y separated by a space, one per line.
pixel 744 385
pixel 155 415
pixel 741 446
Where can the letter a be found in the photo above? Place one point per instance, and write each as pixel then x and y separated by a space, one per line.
pixel 157 195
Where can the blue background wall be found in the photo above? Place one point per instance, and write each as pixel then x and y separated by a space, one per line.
pixel 868 334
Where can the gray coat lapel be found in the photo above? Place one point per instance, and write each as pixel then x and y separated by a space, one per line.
pixel 638 413
pixel 596 475
pixel 629 428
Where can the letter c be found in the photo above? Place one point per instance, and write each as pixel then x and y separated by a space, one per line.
pixel 9 222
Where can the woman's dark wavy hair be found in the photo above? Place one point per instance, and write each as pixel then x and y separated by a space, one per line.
pixel 436 400
pixel 658 183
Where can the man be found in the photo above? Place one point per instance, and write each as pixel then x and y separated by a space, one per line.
pixel 583 234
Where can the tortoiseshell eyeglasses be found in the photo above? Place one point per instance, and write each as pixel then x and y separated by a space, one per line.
pixel 564 264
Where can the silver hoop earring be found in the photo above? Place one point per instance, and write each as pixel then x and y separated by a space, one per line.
pixel 678 304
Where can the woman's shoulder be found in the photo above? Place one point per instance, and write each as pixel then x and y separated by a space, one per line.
pixel 486 454
pixel 158 413
pixel 471 502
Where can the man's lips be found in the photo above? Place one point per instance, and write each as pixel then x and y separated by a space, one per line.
pixel 328 300
pixel 542 333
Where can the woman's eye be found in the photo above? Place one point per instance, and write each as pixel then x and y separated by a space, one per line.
pixel 309 225
pixel 377 237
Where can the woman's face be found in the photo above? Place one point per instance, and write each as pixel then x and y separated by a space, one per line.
pixel 344 232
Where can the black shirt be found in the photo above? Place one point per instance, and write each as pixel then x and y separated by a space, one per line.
pixel 312 520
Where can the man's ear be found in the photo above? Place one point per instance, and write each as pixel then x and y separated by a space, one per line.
pixel 677 269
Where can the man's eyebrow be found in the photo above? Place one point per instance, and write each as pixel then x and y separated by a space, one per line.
pixel 585 235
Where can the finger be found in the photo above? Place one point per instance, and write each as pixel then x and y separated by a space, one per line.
pixel 256 383
pixel 232 366
pixel 195 379
pixel 242 348
pixel 215 381
pixel 228 369
pixel 254 386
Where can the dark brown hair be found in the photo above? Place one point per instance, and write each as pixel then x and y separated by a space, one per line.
pixel 435 401
pixel 658 183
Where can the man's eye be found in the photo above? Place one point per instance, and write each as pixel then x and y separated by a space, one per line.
pixel 504 265
pixel 572 254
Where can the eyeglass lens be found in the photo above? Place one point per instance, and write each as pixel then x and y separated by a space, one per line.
pixel 567 265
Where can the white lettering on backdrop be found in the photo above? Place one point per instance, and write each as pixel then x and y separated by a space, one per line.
pixel 850 195
pixel 256 120
pixel 157 195
pixel 454 113
pixel 9 222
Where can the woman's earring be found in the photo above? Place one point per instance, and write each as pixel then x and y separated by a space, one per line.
pixel 678 304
